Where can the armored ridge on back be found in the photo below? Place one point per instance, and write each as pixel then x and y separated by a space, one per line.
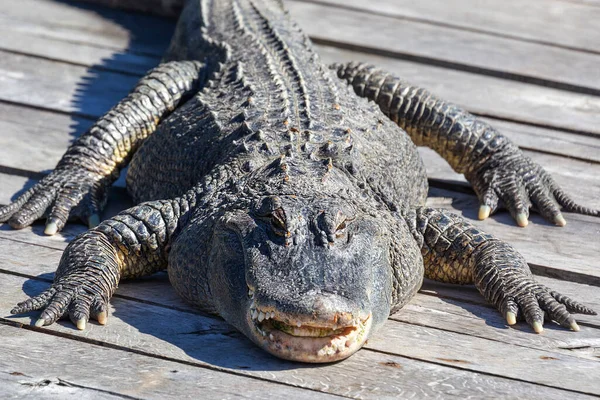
pixel 280 198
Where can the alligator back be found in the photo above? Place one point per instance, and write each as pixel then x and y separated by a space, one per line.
pixel 269 98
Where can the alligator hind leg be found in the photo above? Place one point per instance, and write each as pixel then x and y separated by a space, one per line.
pixel 499 172
pixel 134 243
pixel 454 251
pixel 79 184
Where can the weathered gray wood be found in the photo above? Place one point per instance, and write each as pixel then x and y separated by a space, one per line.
pixel 73 88
pixel 30 359
pixel 37 261
pixel 585 148
pixel 493 96
pixel 442 43
pixel 554 23
pixel 484 321
pixel 448 45
pixel 22 41
pixel 202 341
pixel 83 23
pixel 36 256
pixel 35 140
pixel 566 23
pixel 59 86
pixel 16 387
pixel 586 293
pixel 487 95
pixel 578 178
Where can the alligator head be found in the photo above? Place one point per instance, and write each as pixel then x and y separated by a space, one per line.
pixel 305 278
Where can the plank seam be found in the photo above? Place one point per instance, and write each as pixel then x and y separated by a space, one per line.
pixel 116 295
pixel 90 67
pixel 562 351
pixel 457 66
pixel 489 374
pixel 537 125
pixel 487 305
pixel 198 364
pixel 425 21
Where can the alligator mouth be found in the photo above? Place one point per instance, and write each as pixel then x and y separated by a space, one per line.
pixel 308 339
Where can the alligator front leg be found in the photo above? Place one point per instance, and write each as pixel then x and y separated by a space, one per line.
pixel 454 251
pixel 497 169
pixel 132 244
pixel 79 184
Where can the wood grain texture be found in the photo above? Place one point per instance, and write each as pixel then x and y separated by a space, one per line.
pixel 454 47
pixel 65 367
pixel 479 93
pixel 553 23
pixel 88 24
pixel 207 341
pixel 572 249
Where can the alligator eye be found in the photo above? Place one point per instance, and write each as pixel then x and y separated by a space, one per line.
pixel 340 229
pixel 278 221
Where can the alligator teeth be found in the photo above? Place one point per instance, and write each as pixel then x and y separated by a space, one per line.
pixel 250 293
pixel 261 316
pixel 271 336
pixel 254 314
pixel 298 324
pixel 272 314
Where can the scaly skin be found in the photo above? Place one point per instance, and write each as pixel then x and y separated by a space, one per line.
pixel 279 199
pixel 494 165
pixel 77 187
pixel 454 251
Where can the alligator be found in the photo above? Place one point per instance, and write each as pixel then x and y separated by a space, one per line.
pixel 286 196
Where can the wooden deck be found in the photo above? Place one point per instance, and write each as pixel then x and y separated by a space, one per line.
pixel 531 68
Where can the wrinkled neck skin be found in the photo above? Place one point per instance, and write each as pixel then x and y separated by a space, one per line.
pixel 303 267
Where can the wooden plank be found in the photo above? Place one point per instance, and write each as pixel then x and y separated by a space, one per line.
pixel 455 48
pixel 555 23
pixel 481 94
pixel 44 365
pixel 62 87
pixel 12 185
pixel 90 92
pixel 23 42
pixel 15 388
pixel 469 298
pixel 206 341
pixel 35 140
pixel 581 147
pixel 484 321
pixel 486 95
pixel 98 98
pixel 83 23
